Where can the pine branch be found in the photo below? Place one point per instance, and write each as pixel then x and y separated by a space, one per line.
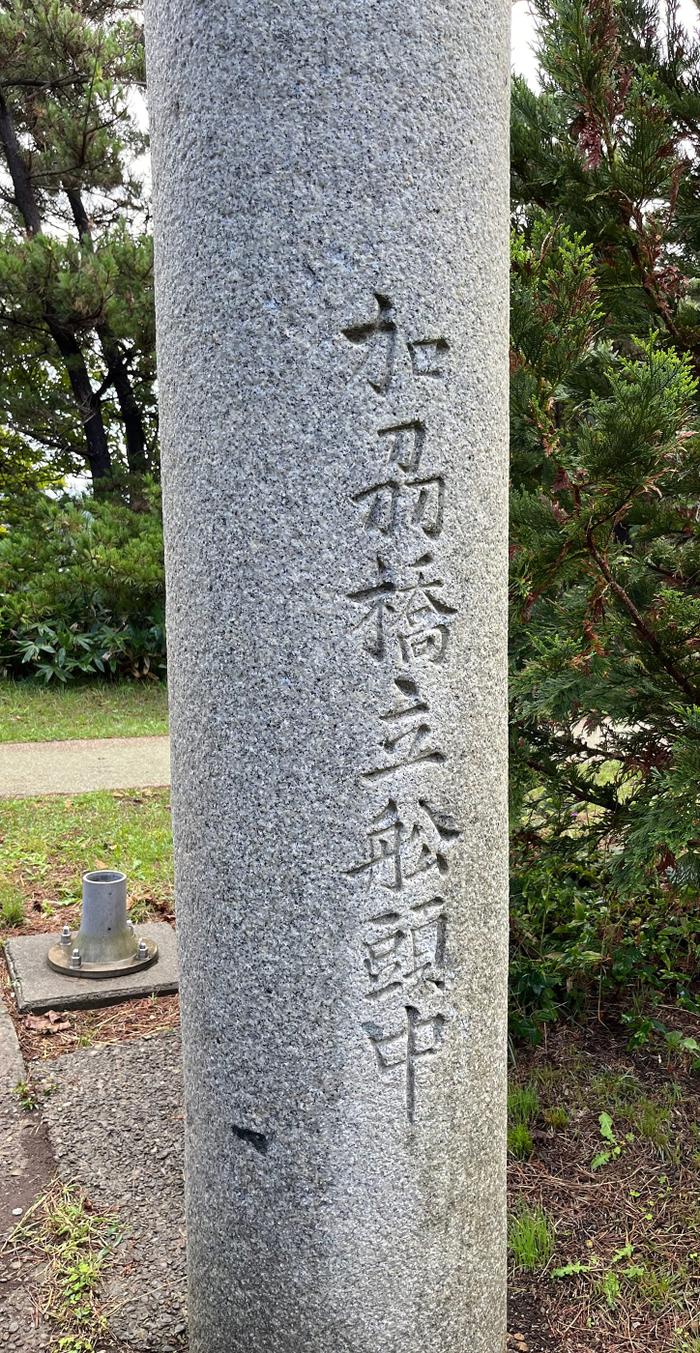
pixel 88 405
pixel 641 625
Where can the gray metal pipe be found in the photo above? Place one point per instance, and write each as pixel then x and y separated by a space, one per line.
pixel 104 928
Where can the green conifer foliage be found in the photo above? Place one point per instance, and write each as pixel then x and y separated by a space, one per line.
pixel 76 313
pixel 605 551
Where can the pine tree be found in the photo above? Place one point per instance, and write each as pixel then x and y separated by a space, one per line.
pixel 606 499
pixel 76 315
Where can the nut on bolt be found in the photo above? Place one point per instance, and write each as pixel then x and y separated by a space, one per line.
pixel 75 959
pixel 143 949
pixel 66 935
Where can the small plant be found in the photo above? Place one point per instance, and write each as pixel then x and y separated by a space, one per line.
pixel 615 1089
pixel 531 1238
pixel 652 1123
pixel 684 1047
pixel 614 1147
pixel 660 1287
pixel 11 905
pixel 138 910
pixel 686 1343
pixel 74 1243
pixel 25 1094
pixel 576 1268
pixel 609 1288
pixel 523 1104
pixel 520 1143
pixel 556 1117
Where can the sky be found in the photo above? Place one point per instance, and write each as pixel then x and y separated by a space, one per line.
pixel 524 32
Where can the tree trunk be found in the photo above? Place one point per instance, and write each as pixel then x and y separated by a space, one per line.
pixel 89 407
pixel 134 431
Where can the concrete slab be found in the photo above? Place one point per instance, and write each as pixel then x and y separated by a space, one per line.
pixel 27 1167
pixel 76 767
pixel 37 987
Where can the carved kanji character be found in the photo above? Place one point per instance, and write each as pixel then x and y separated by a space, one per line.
pixel 379 338
pixel 419 1037
pixel 407 742
pixel 402 846
pixel 413 615
pixel 392 506
pixel 405 950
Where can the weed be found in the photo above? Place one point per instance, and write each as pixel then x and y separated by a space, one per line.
pixel 11 904
pixel 548 1077
pixel 575 1269
pixel 74 1244
pixel 660 1288
pixel 615 1089
pixel 613 1147
pixel 609 1288
pixel 556 1117
pixel 531 1238
pixel 652 1123
pixel 685 1048
pixel 24 1093
pixel 138 910
pixel 520 1143
pixel 523 1104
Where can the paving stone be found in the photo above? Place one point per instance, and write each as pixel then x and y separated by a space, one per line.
pixel 26 1169
pixel 11 1061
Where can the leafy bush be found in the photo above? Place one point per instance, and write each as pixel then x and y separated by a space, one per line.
pixel 82 590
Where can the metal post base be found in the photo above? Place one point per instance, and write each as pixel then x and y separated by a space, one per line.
pixel 59 958
pixel 106 945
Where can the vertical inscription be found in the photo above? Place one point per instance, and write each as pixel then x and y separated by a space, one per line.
pixel 402 616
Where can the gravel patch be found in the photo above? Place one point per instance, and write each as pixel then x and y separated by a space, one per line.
pixel 115 1122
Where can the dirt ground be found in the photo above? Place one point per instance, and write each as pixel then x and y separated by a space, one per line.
pixel 623 1275
pixel 626 1229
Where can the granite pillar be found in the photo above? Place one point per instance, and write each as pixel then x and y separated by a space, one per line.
pixel 331 211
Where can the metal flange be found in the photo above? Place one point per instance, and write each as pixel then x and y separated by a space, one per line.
pixel 62 959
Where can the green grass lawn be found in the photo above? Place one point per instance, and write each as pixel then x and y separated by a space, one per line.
pixel 46 844
pixel 36 713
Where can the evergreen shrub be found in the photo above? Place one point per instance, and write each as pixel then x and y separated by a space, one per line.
pixel 82 590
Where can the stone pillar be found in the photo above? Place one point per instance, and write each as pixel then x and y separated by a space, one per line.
pixel 331 207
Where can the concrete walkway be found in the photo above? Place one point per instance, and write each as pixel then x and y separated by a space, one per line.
pixel 29 768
